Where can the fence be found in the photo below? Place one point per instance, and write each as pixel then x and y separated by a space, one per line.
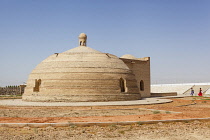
pixel 12 90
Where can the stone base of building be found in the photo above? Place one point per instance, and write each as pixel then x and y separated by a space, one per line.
pixel 81 98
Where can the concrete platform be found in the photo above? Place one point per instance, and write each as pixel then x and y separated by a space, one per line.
pixel 144 101
pixel 169 97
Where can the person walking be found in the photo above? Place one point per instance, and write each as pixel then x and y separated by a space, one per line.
pixel 192 92
pixel 200 92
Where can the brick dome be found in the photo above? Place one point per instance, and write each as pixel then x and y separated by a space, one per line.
pixel 81 74
pixel 128 56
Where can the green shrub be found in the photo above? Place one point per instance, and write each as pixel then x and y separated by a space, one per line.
pixel 156 112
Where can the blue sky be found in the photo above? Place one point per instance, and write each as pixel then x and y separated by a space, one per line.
pixel 174 33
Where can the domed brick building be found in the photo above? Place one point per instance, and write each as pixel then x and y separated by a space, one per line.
pixel 83 74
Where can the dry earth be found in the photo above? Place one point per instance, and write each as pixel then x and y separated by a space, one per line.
pixel 68 112
pixel 189 107
pixel 197 107
pixel 162 131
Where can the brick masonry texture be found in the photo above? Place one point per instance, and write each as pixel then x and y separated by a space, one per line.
pixel 83 74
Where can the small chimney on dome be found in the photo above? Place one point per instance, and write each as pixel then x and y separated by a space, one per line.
pixel 82 39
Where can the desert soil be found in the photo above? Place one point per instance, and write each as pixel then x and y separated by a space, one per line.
pixel 162 131
pixel 188 107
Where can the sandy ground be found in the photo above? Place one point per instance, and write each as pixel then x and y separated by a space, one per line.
pixel 57 112
pixel 189 107
pixel 162 131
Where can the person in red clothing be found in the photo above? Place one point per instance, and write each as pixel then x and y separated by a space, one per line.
pixel 200 92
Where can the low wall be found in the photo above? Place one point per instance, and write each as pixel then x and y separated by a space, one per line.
pixel 163 94
pixel 12 90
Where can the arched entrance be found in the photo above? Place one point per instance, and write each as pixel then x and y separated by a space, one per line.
pixel 142 85
pixel 122 85
pixel 37 84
